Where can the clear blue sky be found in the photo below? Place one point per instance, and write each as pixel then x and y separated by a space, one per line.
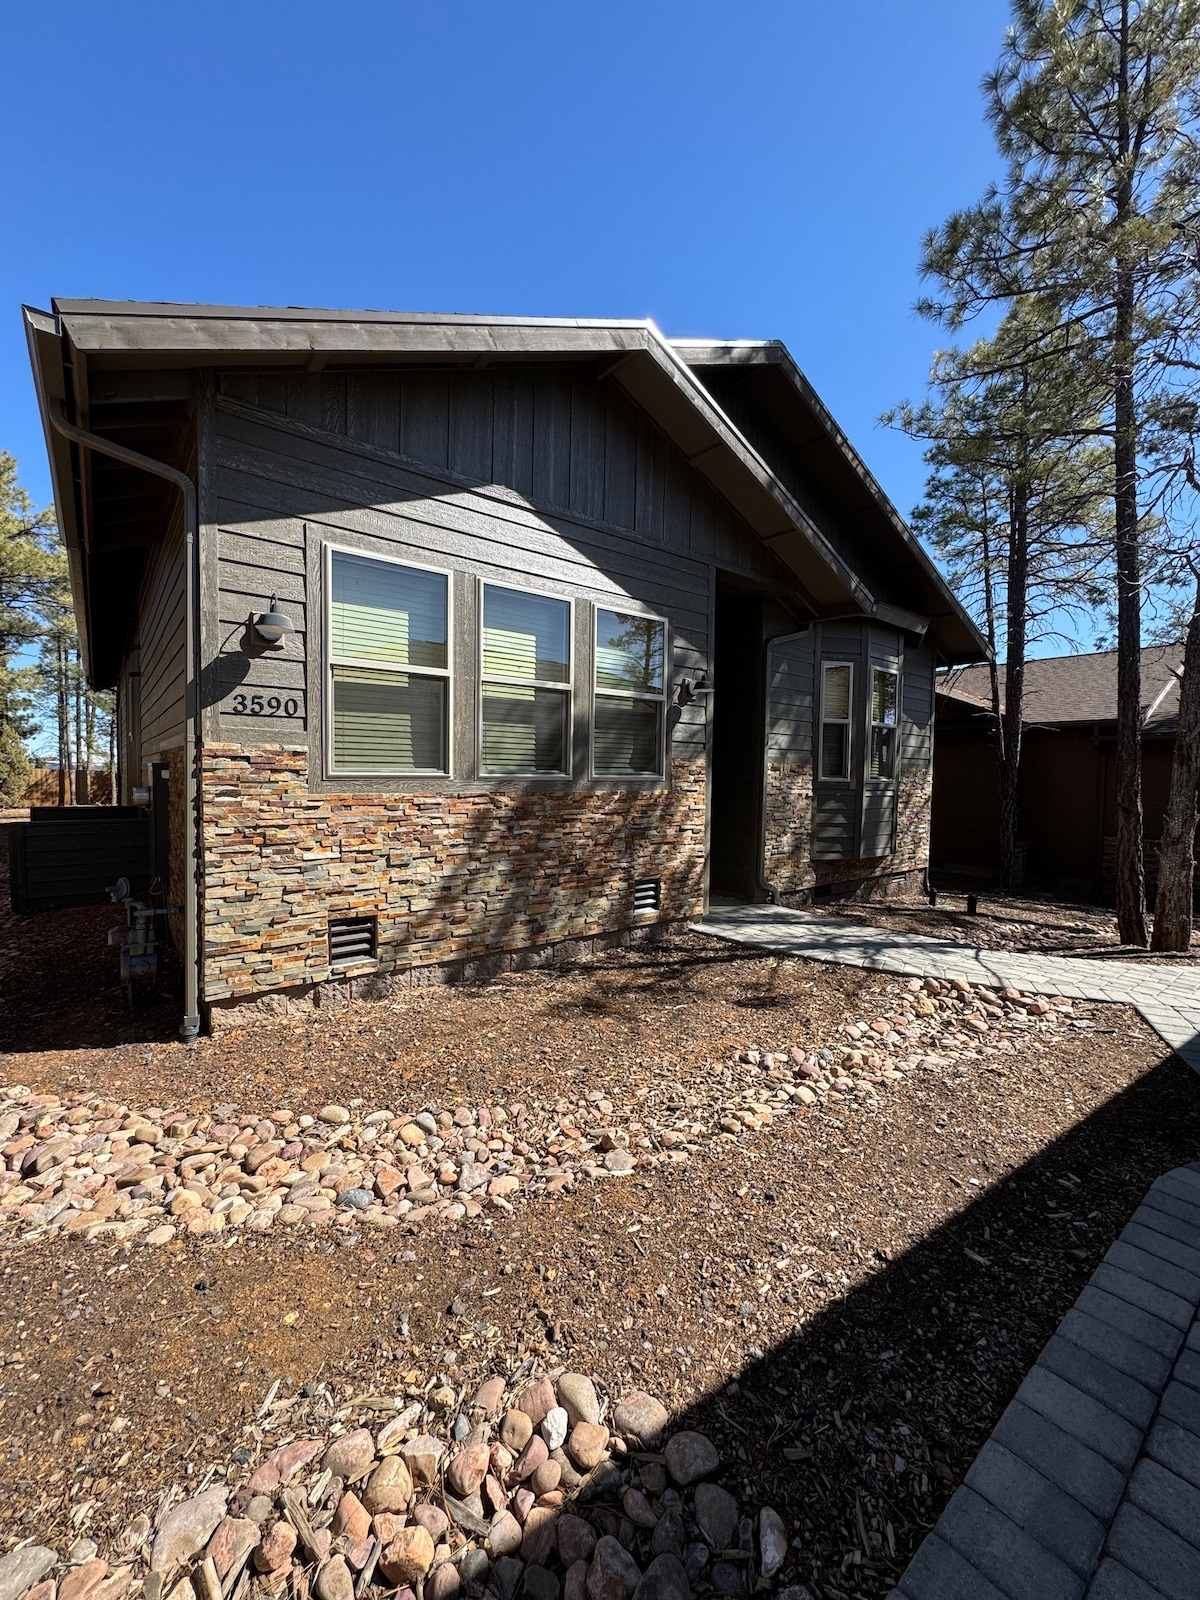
pixel 758 170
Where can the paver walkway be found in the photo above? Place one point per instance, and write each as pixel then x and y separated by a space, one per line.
pixel 1166 997
pixel 1089 1487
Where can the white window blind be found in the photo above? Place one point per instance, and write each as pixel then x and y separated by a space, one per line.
pixel 382 615
pixel 837 681
pixel 884 700
pixel 525 691
pixel 627 733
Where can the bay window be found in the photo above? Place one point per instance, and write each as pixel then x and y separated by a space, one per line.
pixel 884 701
pixel 837 686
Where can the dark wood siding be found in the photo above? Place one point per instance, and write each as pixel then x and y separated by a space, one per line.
pixel 790 701
pixel 162 685
pixel 284 489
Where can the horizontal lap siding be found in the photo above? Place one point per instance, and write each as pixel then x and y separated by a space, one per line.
pixel 163 685
pixel 916 733
pixel 281 494
pixel 790 703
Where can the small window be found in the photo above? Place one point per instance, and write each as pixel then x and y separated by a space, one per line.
pixel 837 683
pixel 526 674
pixel 884 700
pixel 389 666
pixel 630 703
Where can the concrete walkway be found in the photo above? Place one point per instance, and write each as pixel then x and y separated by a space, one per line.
pixel 1166 997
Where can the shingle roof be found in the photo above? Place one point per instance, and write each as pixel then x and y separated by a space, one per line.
pixel 1082 688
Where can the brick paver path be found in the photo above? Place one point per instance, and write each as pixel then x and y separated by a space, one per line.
pixel 1167 997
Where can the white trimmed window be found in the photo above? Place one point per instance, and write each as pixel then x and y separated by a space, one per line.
pixel 885 697
pixel 389 666
pixel 630 698
pixel 837 697
pixel 525 693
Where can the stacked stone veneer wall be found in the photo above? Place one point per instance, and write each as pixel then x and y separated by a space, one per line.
pixel 788 831
pixel 452 878
pixel 788 864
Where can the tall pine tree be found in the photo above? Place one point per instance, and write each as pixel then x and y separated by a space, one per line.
pixel 1096 108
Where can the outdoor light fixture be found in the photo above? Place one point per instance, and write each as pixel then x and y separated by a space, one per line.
pixel 691 690
pixel 272 624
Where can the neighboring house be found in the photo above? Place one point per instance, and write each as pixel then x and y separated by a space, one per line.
pixel 1068 804
pixel 587 623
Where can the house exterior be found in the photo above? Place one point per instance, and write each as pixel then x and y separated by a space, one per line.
pixel 585 625
pixel 1068 801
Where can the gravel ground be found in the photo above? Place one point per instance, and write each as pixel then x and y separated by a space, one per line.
pixel 843 1298
pixel 1032 921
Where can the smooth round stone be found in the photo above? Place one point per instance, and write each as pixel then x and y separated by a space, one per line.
pixel 640 1416
pixel 555 1425
pixel 356 1199
pixel 690 1456
pixel 577 1397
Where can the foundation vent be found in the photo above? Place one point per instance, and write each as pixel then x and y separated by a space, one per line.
pixel 351 939
pixel 647 894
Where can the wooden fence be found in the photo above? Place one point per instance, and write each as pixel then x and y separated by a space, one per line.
pixel 42 789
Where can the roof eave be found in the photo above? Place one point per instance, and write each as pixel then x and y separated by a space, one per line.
pixel 44 337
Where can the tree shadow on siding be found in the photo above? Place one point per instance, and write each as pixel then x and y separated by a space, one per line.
pixel 859 1425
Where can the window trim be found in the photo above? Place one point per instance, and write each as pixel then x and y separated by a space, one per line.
pixel 565 687
pixel 892 672
pixel 846 778
pixel 619 779
pixel 332 770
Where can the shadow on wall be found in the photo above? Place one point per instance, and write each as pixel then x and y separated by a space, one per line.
pixel 859 1426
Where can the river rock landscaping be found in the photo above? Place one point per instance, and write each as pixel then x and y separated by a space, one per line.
pixel 274 1306
pixel 547 1491
pixel 91 1167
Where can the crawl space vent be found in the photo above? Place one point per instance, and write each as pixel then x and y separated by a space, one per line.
pixel 351 939
pixel 647 894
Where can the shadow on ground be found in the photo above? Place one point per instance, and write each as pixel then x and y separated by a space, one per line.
pixel 864 1421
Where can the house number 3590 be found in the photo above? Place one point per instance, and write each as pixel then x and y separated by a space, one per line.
pixel 270 705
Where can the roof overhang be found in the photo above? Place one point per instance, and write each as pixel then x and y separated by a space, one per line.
pixel 794 406
pixel 87 354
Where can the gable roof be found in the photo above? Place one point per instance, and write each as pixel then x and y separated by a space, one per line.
pixel 75 345
pixel 1061 690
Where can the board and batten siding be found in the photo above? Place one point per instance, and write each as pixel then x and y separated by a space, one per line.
pixel 285 488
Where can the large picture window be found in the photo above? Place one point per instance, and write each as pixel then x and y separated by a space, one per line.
pixel 630 698
pixel 885 697
pixel 837 697
pixel 525 698
pixel 389 666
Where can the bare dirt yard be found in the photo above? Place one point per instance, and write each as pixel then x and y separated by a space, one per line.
pixel 827 1218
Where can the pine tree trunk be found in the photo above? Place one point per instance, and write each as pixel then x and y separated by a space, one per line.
pixel 1176 861
pixel 1131 871
pixel 64 736
pixel 81 775
pixel 1014 681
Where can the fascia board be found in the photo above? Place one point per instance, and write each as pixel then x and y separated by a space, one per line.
pixel 43 334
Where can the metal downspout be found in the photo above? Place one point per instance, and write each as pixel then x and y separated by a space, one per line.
pixel 772 893
pixel 190 1026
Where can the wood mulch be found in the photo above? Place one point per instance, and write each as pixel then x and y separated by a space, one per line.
pixel 845 1302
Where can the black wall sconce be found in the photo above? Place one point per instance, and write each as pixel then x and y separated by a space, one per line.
pixel 271 625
